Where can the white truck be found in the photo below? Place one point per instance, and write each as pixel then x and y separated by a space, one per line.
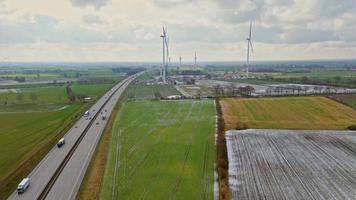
pixel 24 184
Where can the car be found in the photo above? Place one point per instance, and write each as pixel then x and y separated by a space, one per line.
pixel 61 142
pixel 97 123
pixel 87 113
pixel 24 184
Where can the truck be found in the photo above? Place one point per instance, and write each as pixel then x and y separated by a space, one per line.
pixel 24 184
pixel 61 142
pixel 86 114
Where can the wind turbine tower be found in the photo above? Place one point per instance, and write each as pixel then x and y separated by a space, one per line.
pixel 249 45
pixel 195 60
pixel 162 73
pixel 165 56
pixel 180 63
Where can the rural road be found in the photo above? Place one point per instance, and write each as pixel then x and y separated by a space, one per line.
pixel 66 183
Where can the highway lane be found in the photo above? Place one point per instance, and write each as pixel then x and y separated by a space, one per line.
pixel 68 183
pixel 44 171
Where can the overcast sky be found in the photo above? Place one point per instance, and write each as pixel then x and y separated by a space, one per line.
pixel 129 30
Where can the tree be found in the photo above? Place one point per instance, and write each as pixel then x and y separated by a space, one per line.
pixel 158 95
pixel 217 89
pixel 70 93
pixel 19 97
pixel 6 99
pixel 249 90
pixel 199 94
pixel 33 97
pixel 305 79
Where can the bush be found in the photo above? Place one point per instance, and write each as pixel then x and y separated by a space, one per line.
pixel 241 126
pixel 352 127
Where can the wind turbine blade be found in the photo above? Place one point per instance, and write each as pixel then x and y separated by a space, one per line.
pixel 166 41
pixel 250 43
pixel 250 30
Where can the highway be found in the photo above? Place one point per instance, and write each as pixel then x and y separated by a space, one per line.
pixel 60 173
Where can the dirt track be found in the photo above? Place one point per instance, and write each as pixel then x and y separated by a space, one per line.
pixel 283 164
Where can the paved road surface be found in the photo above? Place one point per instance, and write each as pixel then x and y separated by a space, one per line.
pixel 69 180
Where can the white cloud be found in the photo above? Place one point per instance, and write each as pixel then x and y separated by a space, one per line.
pixel 95 3
pixel 217 29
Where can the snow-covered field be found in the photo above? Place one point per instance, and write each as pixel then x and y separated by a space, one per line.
pixel 286 164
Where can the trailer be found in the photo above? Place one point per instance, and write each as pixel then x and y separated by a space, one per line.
pixel 61 142
pixel 24 184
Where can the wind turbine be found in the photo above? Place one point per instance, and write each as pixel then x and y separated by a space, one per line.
pixel 180 62
pixel 249 44
pixel 195 60
pixel 162 71
pixel 165 55
pixel 168 58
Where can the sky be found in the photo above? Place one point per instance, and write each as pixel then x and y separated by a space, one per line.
pixel 129 30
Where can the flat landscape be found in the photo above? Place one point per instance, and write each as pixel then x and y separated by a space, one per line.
pixel 33 117
pixel 349 100
pixel 284 164
pixel 287 113
pixel 23 139
pixel 161 150
pixel 142 91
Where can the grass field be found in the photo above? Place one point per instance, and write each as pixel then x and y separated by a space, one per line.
pixel 46 98
pixel 287 113
pixel 165 152
pixel 22 136
pixel 142 91
pixel 349 99
pixel 31 126
pixel 39 75
pixel 322 74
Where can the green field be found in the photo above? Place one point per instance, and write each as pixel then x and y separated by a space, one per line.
pixel 46 98
pixel 349 99
pixel 142 91
pixel 32 119
pixel 161 150
pixel 34 75
pixel 23 136
pixel 287 113
pixel 327 73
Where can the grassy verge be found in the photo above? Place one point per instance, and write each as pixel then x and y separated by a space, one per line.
pixel 221 156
